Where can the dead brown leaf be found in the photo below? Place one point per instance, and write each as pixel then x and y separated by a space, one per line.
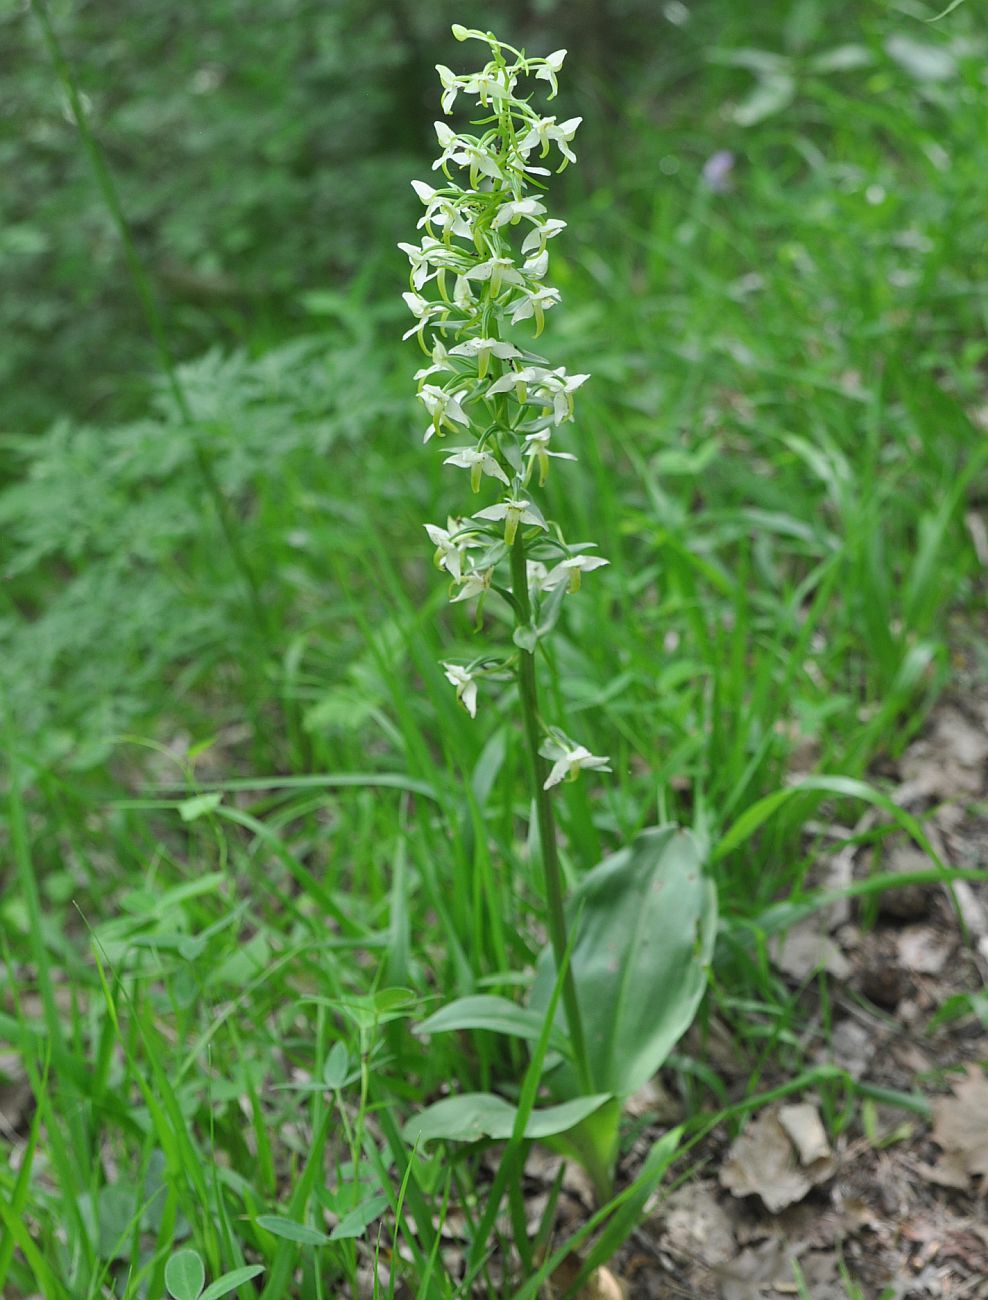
pixel 960 1123
pixel 764 1162
pixel 923 950
pixel 772 1270
pixel 852 1046
pixel 806 949
pixel 805 1131
pixel 949 1171
pixel 693 1224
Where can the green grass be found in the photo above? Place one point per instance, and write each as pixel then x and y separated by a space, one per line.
pixel 777 450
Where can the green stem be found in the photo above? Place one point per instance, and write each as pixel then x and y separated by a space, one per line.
pixel 546 819
pixel 145 293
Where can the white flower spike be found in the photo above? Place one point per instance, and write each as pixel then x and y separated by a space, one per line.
pixel 481 269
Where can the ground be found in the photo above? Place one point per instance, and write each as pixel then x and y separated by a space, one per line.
pixel 896 1204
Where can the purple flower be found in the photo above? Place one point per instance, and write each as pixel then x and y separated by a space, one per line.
pixel 717 171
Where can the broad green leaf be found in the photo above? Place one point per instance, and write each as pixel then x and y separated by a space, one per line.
pixel 594 1144
pixel 291 1231
pixel 185 1275
pixel 356 1223
pixel 499 1015
pixel 230 1281
pixel 371 1009
pixel 387 1001
pixel 334 1071
pixel 199 805
pixel 115 1208
pixel 646 919
pixel 476 1115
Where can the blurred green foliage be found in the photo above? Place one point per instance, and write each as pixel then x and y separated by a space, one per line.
pixel 259 149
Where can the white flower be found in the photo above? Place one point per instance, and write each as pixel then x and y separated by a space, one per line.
pixel 432 253
pixel 519 380
pixel 449 548
pixel 452 85
pixel 499 270
pixel 514 210
pixel 463 294
pixel 483 350
pixel 536 266
pixel 466 153
pixel 443 407
pixel 423 310
pixel 537 449
pixel 550 69
pixel 513 511
pixel 535 572
pixel 441 211
pixel 440 362
pixel 570 762
pixel 475 583
pixel 552 388
pixel 539 236
pixel 488 85
pixel 466 687
pixel 545 131
pixel 478 463
pixel 534 303
pixel 571 570
pixel 557 388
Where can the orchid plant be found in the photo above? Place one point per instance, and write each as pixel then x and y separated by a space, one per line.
pixel 478 272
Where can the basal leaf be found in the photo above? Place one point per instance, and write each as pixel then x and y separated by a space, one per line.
pixel 645 921
pixel 499 1015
